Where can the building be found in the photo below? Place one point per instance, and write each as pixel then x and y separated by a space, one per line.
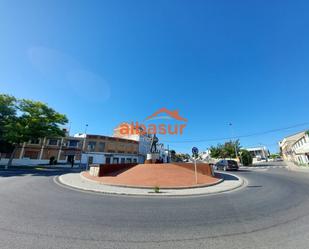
pixel 41 151
pixel 259 153
pixel 86 149
pixel 144 141
pixel 205 156
pixel 295 148
pixel 79 149
pixel 108 150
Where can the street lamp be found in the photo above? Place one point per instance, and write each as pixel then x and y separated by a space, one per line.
pixel 232 135
pixel 83 148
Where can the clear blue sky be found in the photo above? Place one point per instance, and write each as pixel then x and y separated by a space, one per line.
pixel 104 62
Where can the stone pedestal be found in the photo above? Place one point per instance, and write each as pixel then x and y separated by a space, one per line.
pixel 94 170
pixel 152 157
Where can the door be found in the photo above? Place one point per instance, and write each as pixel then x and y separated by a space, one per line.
pixel 90 160
pixel 70 158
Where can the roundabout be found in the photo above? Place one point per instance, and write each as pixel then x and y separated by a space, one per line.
pixel 155 180
pixel 79 182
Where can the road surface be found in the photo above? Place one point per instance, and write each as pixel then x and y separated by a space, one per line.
pixel 271 212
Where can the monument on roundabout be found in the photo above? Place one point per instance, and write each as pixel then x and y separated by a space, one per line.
pixel 154 154
pixel 154 172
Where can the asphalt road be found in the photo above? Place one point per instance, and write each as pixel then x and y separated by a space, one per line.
pixel 271 212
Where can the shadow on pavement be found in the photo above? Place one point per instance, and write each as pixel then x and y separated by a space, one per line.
pixel 244 171
pixel 226 177
pixel 39 171
pixel 254 186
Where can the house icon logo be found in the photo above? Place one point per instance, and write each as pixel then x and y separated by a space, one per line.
pixel 168 115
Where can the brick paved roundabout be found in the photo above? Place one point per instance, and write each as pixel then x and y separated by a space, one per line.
pixel 168 179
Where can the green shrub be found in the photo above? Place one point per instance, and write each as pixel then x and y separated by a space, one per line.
pixel 246 158
pixel 156 189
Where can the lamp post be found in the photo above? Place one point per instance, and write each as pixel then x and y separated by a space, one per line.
pixel 232 135
pixel 83 148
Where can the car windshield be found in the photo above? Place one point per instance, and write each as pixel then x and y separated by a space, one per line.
pixel 232 162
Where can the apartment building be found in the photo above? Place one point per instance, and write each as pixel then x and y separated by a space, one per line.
pixel 108 150
pixel 79 148
pixel 295 148
pixel 41 151
pixel 143 139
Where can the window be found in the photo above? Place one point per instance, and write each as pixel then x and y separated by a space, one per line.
pixel 101 146
pixel 35 141
pixel 122 160
pixel 91 145
pixel 31 154
pixel 73 143
pixel 53 142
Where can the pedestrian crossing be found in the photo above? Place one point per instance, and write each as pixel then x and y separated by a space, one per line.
pixel 257 167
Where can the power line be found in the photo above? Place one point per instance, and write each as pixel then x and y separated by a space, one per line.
pixel 237 137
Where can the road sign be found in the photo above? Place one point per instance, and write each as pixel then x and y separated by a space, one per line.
pixel 194 151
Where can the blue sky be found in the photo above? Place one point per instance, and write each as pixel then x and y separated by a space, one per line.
pixel 104 62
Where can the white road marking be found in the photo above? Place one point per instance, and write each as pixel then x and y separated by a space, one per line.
pixel 263 167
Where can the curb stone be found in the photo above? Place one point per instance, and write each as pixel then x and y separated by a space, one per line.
pixel 76 182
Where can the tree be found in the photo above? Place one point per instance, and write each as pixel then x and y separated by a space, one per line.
pixel 245 157
pixel 229 149
pixel 274 156
pixel 232 148
pixel 173 155
pixel 178 157
pixel 26 119
pixel 7 116
pixel 7 111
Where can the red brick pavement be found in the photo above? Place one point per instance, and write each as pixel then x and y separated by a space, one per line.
pixel 161 175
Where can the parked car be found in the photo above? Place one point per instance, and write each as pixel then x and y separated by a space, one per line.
pixel 226 165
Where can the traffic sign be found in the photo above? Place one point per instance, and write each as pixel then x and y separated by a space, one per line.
pixel 194 151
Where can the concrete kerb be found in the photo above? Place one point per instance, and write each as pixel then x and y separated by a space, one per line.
pixel 76 182
pixel 146 187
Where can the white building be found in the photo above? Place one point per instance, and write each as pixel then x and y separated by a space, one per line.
pixel 205 156
pixel 295 148
pixel 259 153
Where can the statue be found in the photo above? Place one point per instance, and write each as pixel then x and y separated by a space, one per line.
pixel 154 141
